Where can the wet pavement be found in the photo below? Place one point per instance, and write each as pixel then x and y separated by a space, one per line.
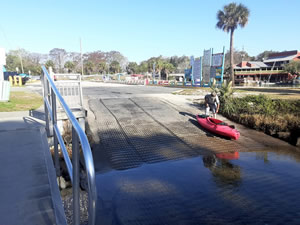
pixel 156 165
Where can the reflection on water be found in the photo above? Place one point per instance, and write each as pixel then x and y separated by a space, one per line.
pixel 223 170
pixel 241 188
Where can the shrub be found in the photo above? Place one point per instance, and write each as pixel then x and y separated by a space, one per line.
pixel 262 113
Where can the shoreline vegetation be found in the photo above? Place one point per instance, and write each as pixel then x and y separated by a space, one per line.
pixel 279 118
pixel 276 112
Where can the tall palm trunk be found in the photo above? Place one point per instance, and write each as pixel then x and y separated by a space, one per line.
pixel 231 57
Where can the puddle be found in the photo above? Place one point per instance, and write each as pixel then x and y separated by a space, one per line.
pixel 241 188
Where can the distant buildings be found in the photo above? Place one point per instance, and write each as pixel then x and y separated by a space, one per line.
pixel 270 70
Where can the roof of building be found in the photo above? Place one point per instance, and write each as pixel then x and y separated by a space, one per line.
pixel 282 56
pixel 258 64
pixel 279 59
pixel 253 65
pixel 275 57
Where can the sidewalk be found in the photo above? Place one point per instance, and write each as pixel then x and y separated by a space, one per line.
pixel 29 193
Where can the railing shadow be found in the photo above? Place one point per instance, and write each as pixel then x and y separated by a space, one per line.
pixel 37 114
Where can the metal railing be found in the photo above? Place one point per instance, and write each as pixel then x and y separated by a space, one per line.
pixel 51 94
pixel 69 86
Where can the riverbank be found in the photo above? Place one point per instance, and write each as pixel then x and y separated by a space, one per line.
pixel 279 118
pixel 275 111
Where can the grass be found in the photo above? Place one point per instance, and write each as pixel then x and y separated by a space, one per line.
pixel 21 101
pixel 273 116
pixel 273 93
pixel 191 91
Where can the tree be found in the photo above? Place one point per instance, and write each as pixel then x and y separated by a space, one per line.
pixel 25 61
pixel 50 63
pixel 102 67
pixel 229 19
pixel 114 67
pixel 69 66
pixel 118 57
pixel 183 63
pixel 143 67
pixel 12 61
pixel 264 55
pixel 132 67
pixel 293 67
pixel 97 58
pixel 238 56
pixel 88 67
pixel 167 68
pixel 58 56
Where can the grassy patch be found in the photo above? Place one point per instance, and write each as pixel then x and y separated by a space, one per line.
pixel 273 116
pixel 273 93
pixel 21 101
pixel 192 91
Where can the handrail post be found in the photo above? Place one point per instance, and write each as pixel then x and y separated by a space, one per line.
pixel 49 98
pixel 54 122
pixel 75 160
pixel 45 93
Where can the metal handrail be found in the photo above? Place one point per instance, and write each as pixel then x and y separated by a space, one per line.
pixel 50 94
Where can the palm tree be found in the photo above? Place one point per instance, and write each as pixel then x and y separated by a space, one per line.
pixel 228 20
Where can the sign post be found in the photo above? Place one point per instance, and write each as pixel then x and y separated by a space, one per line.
pixel 2 63
pixel 197 71
pixel 206 64
pixel 4 85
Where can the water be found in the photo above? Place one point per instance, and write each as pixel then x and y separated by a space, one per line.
pixel 246 188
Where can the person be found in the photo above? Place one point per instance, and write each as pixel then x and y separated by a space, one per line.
pixel 212 103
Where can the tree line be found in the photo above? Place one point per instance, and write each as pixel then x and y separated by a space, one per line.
pixel 112 62
pixel 97 62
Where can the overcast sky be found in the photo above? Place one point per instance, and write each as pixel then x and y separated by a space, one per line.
pixel 141 29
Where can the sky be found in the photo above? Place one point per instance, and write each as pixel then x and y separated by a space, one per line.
pixel 141 29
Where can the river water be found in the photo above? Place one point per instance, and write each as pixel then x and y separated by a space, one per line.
pixel 236 188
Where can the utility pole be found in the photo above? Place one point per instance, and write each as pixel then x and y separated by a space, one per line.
pixel 81 58
pixel 243 53
pixel 21 61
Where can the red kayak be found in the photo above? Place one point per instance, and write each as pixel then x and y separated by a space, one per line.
pixel 218 127
pixel 228 155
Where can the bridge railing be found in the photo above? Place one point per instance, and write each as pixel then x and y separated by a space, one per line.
pixel 51 95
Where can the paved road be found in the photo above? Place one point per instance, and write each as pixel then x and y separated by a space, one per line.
pixel 108 90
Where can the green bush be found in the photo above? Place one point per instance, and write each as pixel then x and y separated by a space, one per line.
pixel 259 104
pixel 262 113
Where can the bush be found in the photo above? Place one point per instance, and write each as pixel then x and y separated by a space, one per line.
pixel 262 113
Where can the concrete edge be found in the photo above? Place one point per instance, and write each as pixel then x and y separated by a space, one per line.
pixel 91 128
pixel 58 208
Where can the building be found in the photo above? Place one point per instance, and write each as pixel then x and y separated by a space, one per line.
pixel 270 70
